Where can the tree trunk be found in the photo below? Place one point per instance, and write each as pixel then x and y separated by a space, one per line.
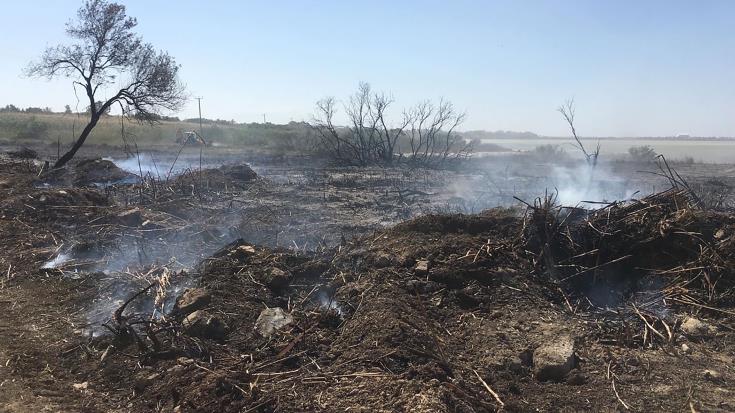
pixel 78 144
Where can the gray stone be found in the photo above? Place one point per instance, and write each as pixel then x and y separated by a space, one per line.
pixel 694 327
pixel 422 267
pixel 272 319
pixel 191 300
pixel 242 252
pixel 204 325
pixel 276 279
pixel 554 359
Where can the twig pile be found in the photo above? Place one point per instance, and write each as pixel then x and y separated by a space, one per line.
pixel 650 253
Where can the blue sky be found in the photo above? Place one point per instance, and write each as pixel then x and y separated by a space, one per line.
pixel 634 68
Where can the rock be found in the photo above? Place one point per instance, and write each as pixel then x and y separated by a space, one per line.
pixel 191 300
pixel 554 359
pixel 81 386
pixel 204 325
pixel 685 348
pixel 712 375
pixel 276 279
pixel 694 327
pixel 422 267
pixel 242 252
pixel 272 319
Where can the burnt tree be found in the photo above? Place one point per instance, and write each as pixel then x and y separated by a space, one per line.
pixel 109 59
pixel 369 139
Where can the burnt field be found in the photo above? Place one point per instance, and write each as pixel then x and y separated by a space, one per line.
pixel 245 282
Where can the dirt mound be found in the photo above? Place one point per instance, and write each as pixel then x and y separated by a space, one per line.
pixel 98 171
pixel 23 153
pixel 87 172
pixel 224 178
pixel 240 172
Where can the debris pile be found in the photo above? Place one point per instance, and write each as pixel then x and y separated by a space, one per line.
pixel 451 312
pixel 652 253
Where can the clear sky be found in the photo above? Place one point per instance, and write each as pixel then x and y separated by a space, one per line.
pixel 635 68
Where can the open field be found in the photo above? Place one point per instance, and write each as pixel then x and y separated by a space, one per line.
pixel 394 290
pixel 707 150
pixel 50 129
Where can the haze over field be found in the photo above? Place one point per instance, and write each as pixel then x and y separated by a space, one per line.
pixel 657 68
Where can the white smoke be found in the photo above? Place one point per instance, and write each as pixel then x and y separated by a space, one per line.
pixel 588 186
pixel 57 261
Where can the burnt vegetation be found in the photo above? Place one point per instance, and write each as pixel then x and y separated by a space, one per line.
pixel 385 270
pixel 424 135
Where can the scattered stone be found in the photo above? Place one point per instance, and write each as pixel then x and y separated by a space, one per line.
pixel 685 348
pixel 191 300
pixel 272 319
pixel 712 375
pixel 276 279
pixel 694 327
pixel 204 325
pixel 81 386
pixel 422 267
pixel 242 252
pixel 554 359
pixel 720 234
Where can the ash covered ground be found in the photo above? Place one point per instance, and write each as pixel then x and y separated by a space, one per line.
pixel 249 282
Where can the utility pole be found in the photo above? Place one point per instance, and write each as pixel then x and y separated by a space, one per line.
pixel 201 132
pixel 264 119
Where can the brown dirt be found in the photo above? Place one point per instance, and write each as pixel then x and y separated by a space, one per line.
pixel 370 332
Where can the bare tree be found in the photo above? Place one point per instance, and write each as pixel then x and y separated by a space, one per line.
pixel 108 55
pixel 432 134
pixel 567 111
pixel 369 137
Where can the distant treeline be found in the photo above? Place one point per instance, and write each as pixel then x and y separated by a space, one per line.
pixel 31 109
